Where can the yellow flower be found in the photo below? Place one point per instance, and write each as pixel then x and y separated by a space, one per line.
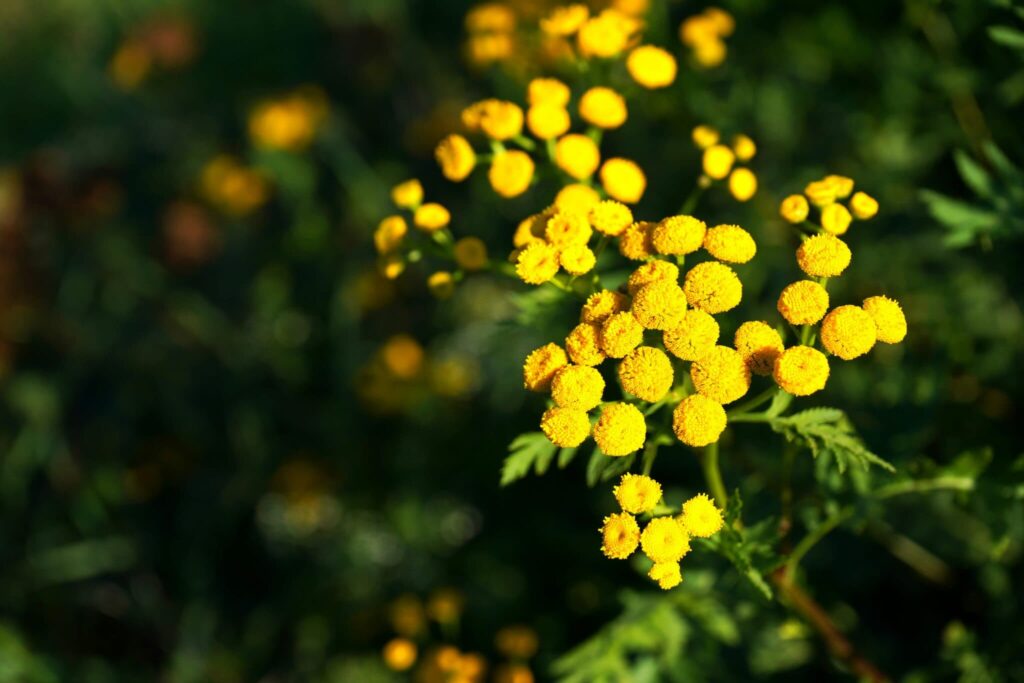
pixel 730 243
pixel 848 332
pixel 577 155
pixel 491 17
pixel 565 427
pixel 823 255
pixel 430 217
pixel 623 180
pixel 620 334
pixel 407 195
pixel 801 370
pixel 665 540
pixel 649 272
pixel 712 287
pixel 835 218
pixel 577 198
pixel 611 217
pixel 890 323
pixel 742 184
pixel 541 365
pixel 456 157
pixel 605 35
pixel 698 29
pixel 402 356
pixel 441 284
pixel 531 228
pixel 537 263
pixel 864 206
pixel 710 53
pixel 470 253
pixel 760 345
pixel 584 344
pixel 660 305
pixel 565 21
pixel 721 374
pixel 651 67
pixel 697 335
pixel 821 192
pixel 646 373
pixel 667 575
pixel 235 188
pixel 602 304
pixel 391 266
pixel 564 229
pixel 635 243
pixel 698 421
pixel 794 208
pixel 603 107
pixel 290 123
pixel 577 386
pixel 511 173
pixel 577 259
pixel 634 8
pixel 678 235
pixel 841 185
pixel 718 161
pixel 400 654
pixel 547 121
pixel 704 136
pixel 501 120
pixel 803 302
pixel 744 147
pixel 484 49
pixel 389 234
pixel 620 535
pixel 637 493
pixel 516 642
pixel 620 430
pixel 701 516
pixel 548 91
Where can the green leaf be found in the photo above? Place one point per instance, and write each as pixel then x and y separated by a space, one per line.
pixel 604 467
pixel 529 450
pixel 1008 36
pixel 827 432
pixel 742 546
pixel 973 174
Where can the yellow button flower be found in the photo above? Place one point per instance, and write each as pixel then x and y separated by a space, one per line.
pixel 605 35
pixel 550 91
pixel 635 243
pixel 431 217
pixel 803 302
pixel 744 147
pixel 730 243
pixel 531 228
pixel 660 305
pixel 537 263
pixel 864 206
pixel 564 229
pixel 407 195
pixel 651 67
pixel 713 287
pixel 547 121
pixel 566 20
pixel 665 540
pixel 698 421
pixel 637 493
pixel 399 654
pixel 491 17
pixel 584 344
pixel 650 272
pixel 646 373
pixel 541 365
pixel 710 53
pixel 511 173
pixel 721 374
pixel 602 304
pixel 890 323
pixel 841 185
pixel 742 184
pixel 701 516
pixel 801 370
pixel 718 161
pixel 565 427
pixel 823 255
pixel 620 535
pixel 848 332
pixel 835 218
pixel 666 574
pixel 391 266
pixel 821 192
pixel 620 430
pixel 697 335
pixel 620 334
pixel 470 253
pixel 794 208
pixel 389 234
pixel 577 259
pixel 760 345
pixel 577 386
pixel 456 157
pixel 501 120
pixel 611 217
pixel 623 180
pixel 603 107
pixel 704 136
pixel 441 284
pixel 577 198
pixel 577 155
pixel 678 235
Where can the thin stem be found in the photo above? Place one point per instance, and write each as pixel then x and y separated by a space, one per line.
pixel 650 453
pixel 754 402
pixel 691 202
pixel 713 475
pixel 750 417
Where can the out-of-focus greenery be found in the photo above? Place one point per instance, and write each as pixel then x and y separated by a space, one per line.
pixel 219 463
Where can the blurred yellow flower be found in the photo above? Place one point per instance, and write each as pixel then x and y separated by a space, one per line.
pixel 603 107
pixel 623 180
pixel 652 67
pixel 456 157
pixel 577 155
pixel 511 173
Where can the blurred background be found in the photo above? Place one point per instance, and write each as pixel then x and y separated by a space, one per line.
pixel 230 450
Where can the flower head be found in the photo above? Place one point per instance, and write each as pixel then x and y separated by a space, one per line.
pixel 678 235
pixel 823 255
pixel 760 345
pixel 399 654
pixel 611 217
pixel 863 206
pixel 537 263
pixel 565 20
pixel 511 173
pixel 547 121
pixel 577 259
pixel 408 194
pixel 801 370
pixel 567 228
pixel 665 540
pixel 698 421
pixel 577 155
pixel 646 372
pixel 704 136
pixel 541 365
pixel 841 185
pixel 744 147
pixel 602 304
pixel 848 332
pixel 550 91
pixel 577 198
pixel 650 272
pixel 456 157
pixel 620 334
pixel 565 427
pixel 701 516
pixel 635 243
pixel 803 302
pixel 718 161
pixel 660 305
pixel 620 430
pixel 584 344
pixel 637 493
pixel 821 192
pixel 577 386
pixel 835 219
pixel 623 180
pixel 713 287
pixel 441 284
pixel 697 335
pixel 794 208
pixel 470 253
pixel 721 374
pixel 652 67
pixel 667 574
pixel 605 35
pixel 431 217
pixel 620 535
pixel 742 184
pixel 890 323
pixel 603 107
pixel 500 120
pixel 730 243
pixel 389 234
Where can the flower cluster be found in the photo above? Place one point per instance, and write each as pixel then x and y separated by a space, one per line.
pixel 705 35
pixel 719 161
pixel 825 196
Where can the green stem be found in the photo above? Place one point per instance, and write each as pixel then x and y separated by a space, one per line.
pixel 713 475
pixel 750 417
pixel 749 405
pixel 650 453
pixel 691 202
pixel 525 142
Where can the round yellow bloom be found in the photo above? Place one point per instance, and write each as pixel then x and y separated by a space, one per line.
pixel 431 217
pixel 550 91
pixel 760 345
pixel 603 107
pixel 710 53
pixel 794 208
pixel 718 161
pixel 577 198
pixel 841 185
pixel 697 335
pixel 391 266
pixel 602 304
pixel 651 67
pixel 577 259
pixel 566 20
pixel 704 136
pixel 665 540
pixel 456 157
pixel 863 206
pixel 547 121
pixel 637 493
pixel 565 427
pixel 577 386
pixel 821 192
pixel 890 323
pixel 698 421
pixel 744 147
pixel 441 284
pixel 730 243
pixel 491 17
pixel 584 344
pixel 620 535
pixel 635 243
pixel 611 217
pixel 721 374
pixel 848 332
pixel 564 229
pixel 623 180
pixel 823 255
pixel 541 365
pixel 650 272
pixel 620 430
pixel 389 234
pixel 531 228
pixel 678 235
pixel 511 173
pixel 501 120
pixel 720 20
pixel 667 575
pixel 660 305
pixel 646 373
pixel 577 155
pixel 407 195
pixel 484 49
pixel 537 263
pixel 742 184
pixel 470 253
pixel 803 302
pixel 620 334
pixel 701 516
pixel 399 654
pixel 801 370
pixel 698 29
pixel 605 35
pixel 713 287
pixel 835 218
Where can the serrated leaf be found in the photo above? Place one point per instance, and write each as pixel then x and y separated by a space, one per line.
pixel 828 432
pixel 531 450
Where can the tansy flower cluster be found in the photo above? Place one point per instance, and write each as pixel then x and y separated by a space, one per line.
pixel 720 162
pixel 705 35
pixel 827 195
